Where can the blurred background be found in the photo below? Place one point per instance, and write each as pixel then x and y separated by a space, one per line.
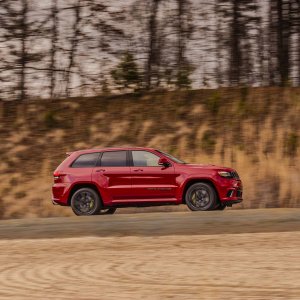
pixel 208 81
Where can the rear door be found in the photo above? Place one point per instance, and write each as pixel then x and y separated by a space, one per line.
pixel 150 181
pixel 80 171
pixel 112 175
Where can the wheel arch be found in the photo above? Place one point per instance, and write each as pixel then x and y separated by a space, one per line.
pixel 78 186
pixel 198 180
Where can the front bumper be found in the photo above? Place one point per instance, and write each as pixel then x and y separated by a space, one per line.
pixel 231 202
pixel 231 192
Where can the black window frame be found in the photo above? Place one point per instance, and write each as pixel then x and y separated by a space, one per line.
pixel 74 161
pixel 100 159
pixel 171 157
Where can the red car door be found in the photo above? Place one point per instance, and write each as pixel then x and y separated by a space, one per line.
pixel 150 181
pixel 113 176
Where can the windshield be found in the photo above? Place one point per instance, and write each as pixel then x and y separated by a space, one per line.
pixel 172 157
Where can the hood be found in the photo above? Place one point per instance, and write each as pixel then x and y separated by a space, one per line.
pixel 208 166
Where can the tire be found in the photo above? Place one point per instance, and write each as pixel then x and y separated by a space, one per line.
pixel 220 207
pixel 107 211
pixel 86 202
pixel 201 197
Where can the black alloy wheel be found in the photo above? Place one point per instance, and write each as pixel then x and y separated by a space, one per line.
pixel 201 197
pixel 86 202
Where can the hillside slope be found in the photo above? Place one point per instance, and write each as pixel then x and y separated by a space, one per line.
pixel 256 131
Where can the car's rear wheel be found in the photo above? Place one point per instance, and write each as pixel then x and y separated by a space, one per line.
pixel 201 197
pixel 85 202
pixel 107 211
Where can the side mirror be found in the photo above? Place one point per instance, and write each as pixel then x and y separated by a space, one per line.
pixel 163 162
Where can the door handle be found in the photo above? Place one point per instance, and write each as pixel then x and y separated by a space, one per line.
pixel 137 170
pixel 100 170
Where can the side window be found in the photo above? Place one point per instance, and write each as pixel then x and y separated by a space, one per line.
pixel 114 159
pixel 88 160
pixel 144 159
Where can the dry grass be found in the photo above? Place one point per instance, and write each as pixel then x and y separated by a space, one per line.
pixel 256 131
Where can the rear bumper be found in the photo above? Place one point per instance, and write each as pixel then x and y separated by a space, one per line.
pixel 60 193
pixel 58 202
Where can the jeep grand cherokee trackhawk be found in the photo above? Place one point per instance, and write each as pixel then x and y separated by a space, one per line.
pixel 98 181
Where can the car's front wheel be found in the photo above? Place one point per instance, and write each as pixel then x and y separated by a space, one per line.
pixel 85 202
pixel 107 211
pixel 201 197
pixel 220 207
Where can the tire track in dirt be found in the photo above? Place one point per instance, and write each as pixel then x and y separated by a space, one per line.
pixel 177 267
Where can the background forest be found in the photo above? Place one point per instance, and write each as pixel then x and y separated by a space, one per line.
pixel 62 48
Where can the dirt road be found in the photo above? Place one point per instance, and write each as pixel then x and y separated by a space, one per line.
pixel 233 254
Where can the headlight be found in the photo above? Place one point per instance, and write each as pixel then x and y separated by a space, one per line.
pixel 225 174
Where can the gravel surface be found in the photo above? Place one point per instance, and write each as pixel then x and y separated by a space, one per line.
pixel 155 224
pixel 235 254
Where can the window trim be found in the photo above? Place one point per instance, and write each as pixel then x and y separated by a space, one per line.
pixel 76 158
pixel 100 158
pixel 154 153
pixel 174 160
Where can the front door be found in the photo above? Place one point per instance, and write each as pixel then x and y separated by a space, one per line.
pixel 150 181
pixel 113 176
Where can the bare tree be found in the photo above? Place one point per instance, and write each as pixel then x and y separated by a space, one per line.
pixel 297 25
pixel 53 49
pixel 235 49
pixel 107 32
pixel 153 50
pixel 280 41
pixel 24 52
pixel 184 31
pixel 74 43
pixel 20 30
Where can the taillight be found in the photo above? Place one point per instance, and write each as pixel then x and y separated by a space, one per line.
pixel 58 177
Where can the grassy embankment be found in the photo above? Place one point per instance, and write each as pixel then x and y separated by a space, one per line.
pixel 256 131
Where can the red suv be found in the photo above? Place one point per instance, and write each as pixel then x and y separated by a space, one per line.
pixel 98 181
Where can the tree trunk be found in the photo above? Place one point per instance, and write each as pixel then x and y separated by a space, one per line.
pixel 218 36
pixel 152 51
pixel 181 39
pixel 23 55
pixel 74 45
pixel 298 36
pixel 54 37
pixel 235 55
pixel 283 31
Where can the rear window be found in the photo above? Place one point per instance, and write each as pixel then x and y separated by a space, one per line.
pixel 114 159
pixel 88 160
